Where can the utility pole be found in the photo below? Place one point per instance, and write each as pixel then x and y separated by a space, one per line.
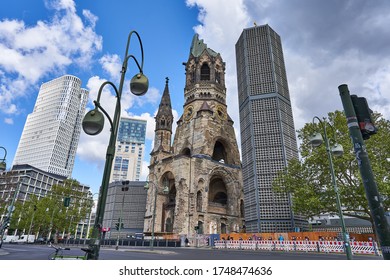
pixel 374 200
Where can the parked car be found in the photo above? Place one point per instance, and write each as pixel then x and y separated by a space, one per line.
pixel 41 240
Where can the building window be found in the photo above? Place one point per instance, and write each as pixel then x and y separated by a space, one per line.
pixel 205 72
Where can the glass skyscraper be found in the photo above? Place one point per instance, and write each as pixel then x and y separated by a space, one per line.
pixel 268 138
pixel 130 147
pixel 51 133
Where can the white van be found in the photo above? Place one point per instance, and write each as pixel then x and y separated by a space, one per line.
pixel 26 239
pixel 10 238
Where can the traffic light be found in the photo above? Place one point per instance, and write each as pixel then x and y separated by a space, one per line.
pixel 119 225
pixel 363 114
pixel 6 223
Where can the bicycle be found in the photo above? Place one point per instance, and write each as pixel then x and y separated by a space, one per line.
pixel 58 254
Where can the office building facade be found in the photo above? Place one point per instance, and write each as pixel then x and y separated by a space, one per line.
pixel 130 148
pixel 268 139
pixel 51 133
pixel 126 204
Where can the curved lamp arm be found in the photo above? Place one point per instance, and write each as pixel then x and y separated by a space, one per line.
pixel 140 67
pixel 5 153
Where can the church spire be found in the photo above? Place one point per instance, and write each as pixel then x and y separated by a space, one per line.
pixel 164 120
pixel 164 115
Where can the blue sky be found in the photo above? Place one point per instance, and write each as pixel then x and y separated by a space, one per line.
pixel 326 43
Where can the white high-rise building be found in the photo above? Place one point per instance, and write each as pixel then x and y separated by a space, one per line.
pixel 130 147
pixel 52 131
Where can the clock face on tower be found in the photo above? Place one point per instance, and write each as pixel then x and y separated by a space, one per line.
pixel 188 113
pixel 221 112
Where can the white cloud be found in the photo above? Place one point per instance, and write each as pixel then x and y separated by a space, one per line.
pixel 9 121
pixel 112 64
pixel 29 53
pixel 323 45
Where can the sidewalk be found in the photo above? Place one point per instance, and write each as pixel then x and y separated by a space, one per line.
pixel 137 249
pixel 3 252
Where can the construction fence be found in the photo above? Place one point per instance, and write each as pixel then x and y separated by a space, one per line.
pixel 357 247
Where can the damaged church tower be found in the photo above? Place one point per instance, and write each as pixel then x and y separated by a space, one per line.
pixel 195 183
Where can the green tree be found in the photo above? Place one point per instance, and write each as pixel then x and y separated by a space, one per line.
pixel 49 215
pixel 309 179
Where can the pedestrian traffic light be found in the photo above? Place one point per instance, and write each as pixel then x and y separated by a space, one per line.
pixel 117 226
pixel 363 115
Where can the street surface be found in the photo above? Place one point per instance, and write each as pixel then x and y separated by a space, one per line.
pixel 42 252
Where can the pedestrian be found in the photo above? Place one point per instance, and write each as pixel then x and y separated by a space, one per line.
pixel 186 241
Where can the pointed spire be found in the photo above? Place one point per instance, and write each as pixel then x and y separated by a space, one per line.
pixel 164 115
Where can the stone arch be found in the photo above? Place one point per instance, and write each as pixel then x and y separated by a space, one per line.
pixel 168 217
pixel 217 196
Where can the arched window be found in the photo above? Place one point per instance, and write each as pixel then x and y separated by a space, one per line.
pixel 199 201
pixel 205 72
pixel 169 225
pixel 218 192
pixel 186 152
pixel 219 153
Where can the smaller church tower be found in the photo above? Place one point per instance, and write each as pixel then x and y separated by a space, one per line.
pixel 163 130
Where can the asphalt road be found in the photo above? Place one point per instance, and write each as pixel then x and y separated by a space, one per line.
pixel 42 252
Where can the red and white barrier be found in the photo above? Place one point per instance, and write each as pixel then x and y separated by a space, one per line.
pixel 305 246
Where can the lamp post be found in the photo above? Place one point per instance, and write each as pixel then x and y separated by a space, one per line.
pixel 3 165
pixel 3 226
pixel 125 188
pixel 381 225
pixel 93 123
pixel 165 191
pixel 337 150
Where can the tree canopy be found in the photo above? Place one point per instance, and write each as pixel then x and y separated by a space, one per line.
pixel 309 178
pixel 50 213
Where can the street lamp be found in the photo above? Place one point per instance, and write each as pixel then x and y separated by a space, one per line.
pixel 337 150
pixel 165 191
pixel 93 123
pixel 3 165
pixel 125 188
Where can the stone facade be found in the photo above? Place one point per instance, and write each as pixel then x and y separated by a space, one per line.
pixel 195 183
